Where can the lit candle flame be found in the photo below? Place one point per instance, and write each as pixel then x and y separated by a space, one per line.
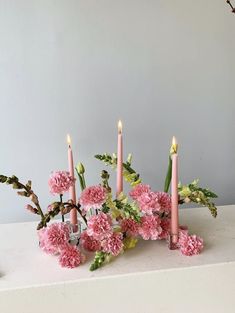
pixel 174 142
pixel 119 126
pixel 69 140
pixel 174 145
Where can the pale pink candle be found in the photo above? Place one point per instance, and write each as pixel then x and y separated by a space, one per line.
pixel 174 195
pixel 72 190
pixel 119 160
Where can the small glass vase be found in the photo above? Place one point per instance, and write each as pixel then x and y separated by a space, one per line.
pixel 75 232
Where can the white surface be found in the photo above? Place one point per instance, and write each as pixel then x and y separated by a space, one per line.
pixel 166 67
pixel 156 277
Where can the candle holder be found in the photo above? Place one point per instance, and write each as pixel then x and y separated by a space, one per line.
pixel 74 231
pixel 173 242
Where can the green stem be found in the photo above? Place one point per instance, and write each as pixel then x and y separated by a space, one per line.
pixel 61 201
pixel 81 180
pixel 128 168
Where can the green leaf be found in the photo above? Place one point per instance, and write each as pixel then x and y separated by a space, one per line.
pixel 168 175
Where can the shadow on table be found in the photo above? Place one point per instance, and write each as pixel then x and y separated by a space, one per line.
pixel 2 275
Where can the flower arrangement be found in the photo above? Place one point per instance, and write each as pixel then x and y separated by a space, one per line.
pixel 110 224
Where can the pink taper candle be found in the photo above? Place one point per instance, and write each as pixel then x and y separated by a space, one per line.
pixel 119 160
pixel 174 194
pixel 72 190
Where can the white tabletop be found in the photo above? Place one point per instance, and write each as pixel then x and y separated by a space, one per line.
pixel 23 264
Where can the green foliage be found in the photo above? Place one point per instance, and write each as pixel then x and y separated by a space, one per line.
pixel 100 258
pixel 129 243
pixel 129 210
pixel 193 193
pixel 168 175
pixel 129 173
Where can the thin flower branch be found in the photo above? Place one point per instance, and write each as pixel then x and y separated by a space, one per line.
pixel 231 6
pixel 25 191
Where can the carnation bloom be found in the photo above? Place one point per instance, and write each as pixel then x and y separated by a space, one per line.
pixel 148 202
pixel 189 244
pixel 99 226
pixel 53 237
pixel 93 197
pixel 164 200
pixel 165 224
pixel 150 227
pixel 89 243
pixel 129 226
pixel 113 244
pixel 60 182
pixel 70 256
pixel 138 190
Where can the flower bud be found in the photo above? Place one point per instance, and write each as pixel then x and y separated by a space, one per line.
pixel 31 209
pixel 22 193
pixel 104 175
pixel 80 168
pixel 15 185
pixel 3 179
pixel 34 198
pixel 129 158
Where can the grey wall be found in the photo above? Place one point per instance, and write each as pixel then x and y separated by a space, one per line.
pixel 164 67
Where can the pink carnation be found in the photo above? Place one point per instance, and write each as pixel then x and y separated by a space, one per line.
pixel 53 237
pixel 189 244
pixel 93 197
pixel 99 226
pixel 150 227
pixel 113 244
pixel 129 226
pixel 165 224
pixel 89 243
pixel 138 190
pixel 164 200
pixel 60 182
pixel 70 256
pixel 148 202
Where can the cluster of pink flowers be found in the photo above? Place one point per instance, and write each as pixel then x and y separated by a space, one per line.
pixel 99 226
pixel 71 257
pixel 166 227
pixel 151 202
pixel 54 239
pixel 136 192
pixel 164 201
pixel 189 244
pixel 60 182
pixel 113 244
pixel 93 197
pixel 148 202
pixel 89 243
pixel 100 235
pixel 130 227
pixel 150 227
pixel 153 223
